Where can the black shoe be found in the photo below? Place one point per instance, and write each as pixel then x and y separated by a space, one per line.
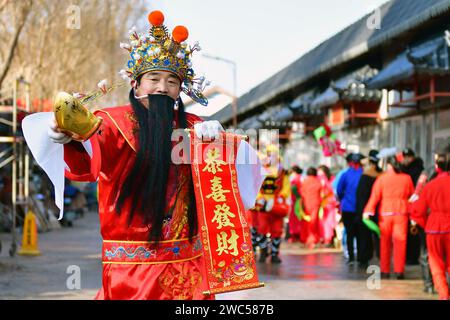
pixel 363 265
pixel 429 290
pixel 275 259
pixel 385 275
pixel 351 261
pixel 263 255
pixel 400 276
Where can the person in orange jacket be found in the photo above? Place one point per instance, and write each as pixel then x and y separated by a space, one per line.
pixel 391 191
pixel 436 196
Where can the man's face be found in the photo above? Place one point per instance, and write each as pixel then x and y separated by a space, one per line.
pixel 158 82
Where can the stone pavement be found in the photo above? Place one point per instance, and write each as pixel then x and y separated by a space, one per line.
pixel 45 276
pixel 304 274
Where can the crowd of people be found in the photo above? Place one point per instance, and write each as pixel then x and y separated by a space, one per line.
pixel 380 206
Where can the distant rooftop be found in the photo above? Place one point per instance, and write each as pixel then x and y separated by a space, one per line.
pixel 397 17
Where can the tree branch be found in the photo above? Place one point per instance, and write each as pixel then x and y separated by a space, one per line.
pixel 13 45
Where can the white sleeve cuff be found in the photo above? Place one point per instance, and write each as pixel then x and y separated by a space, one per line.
pixel 250 174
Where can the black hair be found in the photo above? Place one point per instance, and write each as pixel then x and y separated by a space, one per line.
pixel 325 170
pixel 297 169
pixel 375 163
pixel 311 171
pixel 395 164
pixel 443 161
pixel 146 184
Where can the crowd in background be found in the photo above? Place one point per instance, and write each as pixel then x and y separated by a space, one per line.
pixel 384 208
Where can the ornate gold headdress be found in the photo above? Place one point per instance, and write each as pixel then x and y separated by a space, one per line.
pixel 157 51
pixel 160 51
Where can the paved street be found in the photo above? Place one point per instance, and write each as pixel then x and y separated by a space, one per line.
pixel 44 276
pixel 304 274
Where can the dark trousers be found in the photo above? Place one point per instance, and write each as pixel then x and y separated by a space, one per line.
pixel 356 229
pixel 376 244
pixel 351 228
pixel 364 243
pixel 424 264
pixel 413 248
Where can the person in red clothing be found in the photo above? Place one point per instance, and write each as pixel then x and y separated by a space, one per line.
pixel 328 222
pixel 391 192
pixel 147 210
pixel 436 197
pixel 311 195
pixel 273 205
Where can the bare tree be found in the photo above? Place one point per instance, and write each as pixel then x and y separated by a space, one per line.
pixel 54 56
pixel 3 5
pixel 11 47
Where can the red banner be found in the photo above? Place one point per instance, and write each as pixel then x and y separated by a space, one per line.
pixel 225 234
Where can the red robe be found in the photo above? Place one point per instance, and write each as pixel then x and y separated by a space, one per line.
pixel 133 267
pixel 328 223
pixel 311 191
pixel 436 197
pixel 392 190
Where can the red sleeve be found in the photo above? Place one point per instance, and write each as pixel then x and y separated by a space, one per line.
pixel 192 119
pixel 83 166
pixel 375 197
pixel 419 208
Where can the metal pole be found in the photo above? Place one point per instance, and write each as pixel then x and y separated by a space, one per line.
pixel 13 248
pixel 234 70
pixel 20 175
pixel 235 95
pixel 27 154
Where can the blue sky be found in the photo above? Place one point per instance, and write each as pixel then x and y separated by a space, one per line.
pixel 261 36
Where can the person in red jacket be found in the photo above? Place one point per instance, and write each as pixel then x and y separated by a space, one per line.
pixel 436 197
pixel 328 221
pixel 391 191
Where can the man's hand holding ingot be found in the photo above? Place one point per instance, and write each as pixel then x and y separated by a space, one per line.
pixel 56 135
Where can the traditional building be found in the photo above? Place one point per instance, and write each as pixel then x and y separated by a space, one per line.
pixel 376 86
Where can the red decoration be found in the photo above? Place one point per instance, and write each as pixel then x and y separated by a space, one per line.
pixel 180 33
pixel 156 18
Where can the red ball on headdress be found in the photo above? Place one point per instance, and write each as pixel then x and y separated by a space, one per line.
pixel 180 33
pixel 156 18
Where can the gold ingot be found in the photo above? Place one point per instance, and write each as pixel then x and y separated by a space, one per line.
pixel 73 118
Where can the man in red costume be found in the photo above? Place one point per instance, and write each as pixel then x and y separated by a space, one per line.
pixel 272 206
pixel 148 216
pixel 436 197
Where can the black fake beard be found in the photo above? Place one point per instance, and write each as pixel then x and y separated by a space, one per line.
pixel 147 182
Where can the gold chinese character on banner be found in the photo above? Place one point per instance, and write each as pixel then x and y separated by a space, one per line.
pixel 222 216
pixel 229 245
pixel 213 162
pixel 218 194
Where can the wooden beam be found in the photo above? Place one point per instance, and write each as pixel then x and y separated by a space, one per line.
pixel 431 96
pixel 432 89
pixel 364 115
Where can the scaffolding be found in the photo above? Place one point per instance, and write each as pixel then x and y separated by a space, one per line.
pixel 14 151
